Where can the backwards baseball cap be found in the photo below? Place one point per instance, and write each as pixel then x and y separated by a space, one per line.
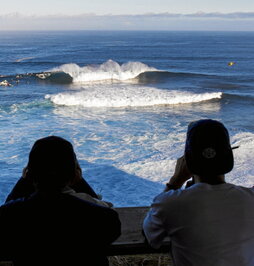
pixel 207 149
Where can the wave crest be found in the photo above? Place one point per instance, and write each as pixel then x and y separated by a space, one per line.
pixel 124 96
pixel 110 70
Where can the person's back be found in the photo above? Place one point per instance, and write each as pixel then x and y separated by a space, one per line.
pixel 57 229
pixel 210 223
pixel 52 227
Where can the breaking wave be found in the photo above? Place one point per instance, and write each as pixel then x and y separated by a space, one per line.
pixel 107 72
pixel 110 70
pixel 125 96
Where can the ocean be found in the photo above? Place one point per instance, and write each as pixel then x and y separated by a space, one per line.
pixel 124 100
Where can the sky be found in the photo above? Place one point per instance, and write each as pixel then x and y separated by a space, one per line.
pixel 104 14
pixel 119 7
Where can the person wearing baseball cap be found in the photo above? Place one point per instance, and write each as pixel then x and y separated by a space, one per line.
pixel 210 221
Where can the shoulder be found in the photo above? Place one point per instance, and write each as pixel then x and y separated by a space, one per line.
pixel 13 204
pixel 242 188
pixel 167 202
pixel 178 196
pixel 11 210
pixel 84 205
pixel 87 197
pixel 203 190
pixel 246 192
pixel 172 195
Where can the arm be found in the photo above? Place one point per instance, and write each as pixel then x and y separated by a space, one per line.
pixel 79 184
pixel 180 176
pixel 153 225
pixel 153 228
pixel 6 230
pixel 82 186
pixel 23 188
pixel 108 226
pixel 114 226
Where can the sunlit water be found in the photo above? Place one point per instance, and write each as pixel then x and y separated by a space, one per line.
pixel 124 99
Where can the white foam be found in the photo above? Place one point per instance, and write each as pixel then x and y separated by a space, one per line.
pixel 110 70
pixel 160 168
pixel 243 172
pixel 124 96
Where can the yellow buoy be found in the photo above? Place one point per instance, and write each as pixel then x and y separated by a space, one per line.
pixel 231 63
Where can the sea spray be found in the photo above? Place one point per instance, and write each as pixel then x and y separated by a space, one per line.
pixel 124 96
pixel 110 70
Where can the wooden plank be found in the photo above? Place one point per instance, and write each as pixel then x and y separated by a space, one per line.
pixel 132 240
pixel 132 221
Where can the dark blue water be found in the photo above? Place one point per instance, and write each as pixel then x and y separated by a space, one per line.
pixel 124 100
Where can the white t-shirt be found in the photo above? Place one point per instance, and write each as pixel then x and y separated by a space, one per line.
pixel 209 225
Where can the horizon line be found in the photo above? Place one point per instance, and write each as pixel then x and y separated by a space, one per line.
pixel 198 14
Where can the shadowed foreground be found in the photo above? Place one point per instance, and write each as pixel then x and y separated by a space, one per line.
pixel 141 260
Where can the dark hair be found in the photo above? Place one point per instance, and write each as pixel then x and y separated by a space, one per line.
pixel 207 149
pixel 52 162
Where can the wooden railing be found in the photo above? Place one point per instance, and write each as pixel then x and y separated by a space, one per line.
pixel 132 240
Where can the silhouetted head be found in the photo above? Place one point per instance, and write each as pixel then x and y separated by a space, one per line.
pixel 52 163
pixel 207 149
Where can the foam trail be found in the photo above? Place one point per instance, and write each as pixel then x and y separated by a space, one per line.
pixel 243 172
pixel 123 96
pixel 159 167
pixel 110 70
pixel 24 59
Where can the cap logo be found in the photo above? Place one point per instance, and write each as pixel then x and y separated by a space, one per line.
pixel 209 153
